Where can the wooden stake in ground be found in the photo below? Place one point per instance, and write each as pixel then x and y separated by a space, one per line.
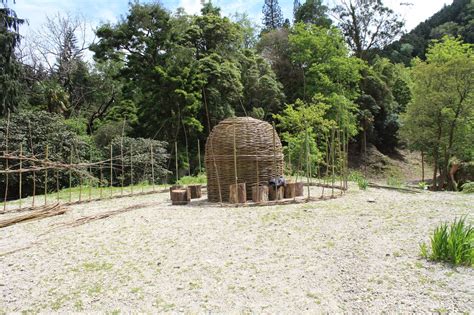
pixel 46 178
pixel 199 156
pixel 90 175
pixel 332 161
pixel 152 167
pixel 20 175
pixel 5 198
pixel 121 159
pixel 131 169
pixel 111 172
pixel 307 160
pixel 70 176
pixel 235 160
pixel 101 183
pixel 34 173
pixel 176 160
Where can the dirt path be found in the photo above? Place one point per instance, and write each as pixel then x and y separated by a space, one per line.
pixel 340 255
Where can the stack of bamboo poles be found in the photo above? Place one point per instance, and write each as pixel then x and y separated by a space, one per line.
pixel 37 214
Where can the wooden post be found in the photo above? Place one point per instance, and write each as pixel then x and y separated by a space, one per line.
pixel 238 193
pixel 152 167
pixel 70 175
pixel 260 193
pixel 57 185
pixel 195 191
pixel 276 193
pixel 20 175
pixel 307 160
pixel 235 160
pixel 90 174
pixel 290 167
pixel 422 166
pixel 274 151
pixel 122 177
pixel 199 156
pixel 5 198
pixel 111 172
pixel 34 173
pixel 101 181
pixel 46 178
pixel 131 169
pixel 332 161
pixel 217 173
pixel 327 163
pixel 176 160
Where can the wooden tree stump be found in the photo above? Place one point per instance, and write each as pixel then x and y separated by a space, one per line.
pixel 238 193
pixel 260 193
pixel 179 197
pixel 299 189
pixel 293 190
pixel 174 187
pixel 195 191
pixel 276 193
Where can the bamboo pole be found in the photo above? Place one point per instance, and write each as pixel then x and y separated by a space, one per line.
pixel 290 167
pixel 111 172
pixel 274 151
pixel 101 182
pixel 5 198
pixel 131 169
pixel 332 160
pixel 34 173
pixel 20 175
pixel 121 158
pixel 176 160
pixel 152 167
pixel 235 160
pixel 199 156
pixel 46 178
pixel 217 173
pixel 90 175
pixel 57 185
pixel 307 160
pixel 70 176
pixel 326 136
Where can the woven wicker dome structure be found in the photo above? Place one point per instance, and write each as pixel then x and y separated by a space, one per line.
pixel 258 152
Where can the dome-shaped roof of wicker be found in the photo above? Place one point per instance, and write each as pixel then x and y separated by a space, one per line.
pixel 258 155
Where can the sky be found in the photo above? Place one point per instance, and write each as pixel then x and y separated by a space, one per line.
pixel 99 11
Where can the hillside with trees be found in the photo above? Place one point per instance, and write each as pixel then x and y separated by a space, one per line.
pixel 170 77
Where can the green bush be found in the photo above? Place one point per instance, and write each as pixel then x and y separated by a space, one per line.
pixel 361 181
pixel 187 180
pixel 452 243
pixel 468 188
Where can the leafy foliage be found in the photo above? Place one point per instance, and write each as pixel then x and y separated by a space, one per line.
pixel 452 243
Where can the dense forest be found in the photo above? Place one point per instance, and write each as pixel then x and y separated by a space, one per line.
pixel 169 77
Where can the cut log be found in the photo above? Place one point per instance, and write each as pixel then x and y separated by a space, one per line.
pixel 290 190
pixel 238 193
pixel 195 191
pixel 174 187
pixel 276 193
pixel 260 193
pixel 299 189
pixel 179 197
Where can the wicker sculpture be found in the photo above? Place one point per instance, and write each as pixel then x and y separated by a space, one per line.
pixel 258 156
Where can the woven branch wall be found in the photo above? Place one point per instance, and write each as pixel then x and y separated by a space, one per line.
pixel 258 147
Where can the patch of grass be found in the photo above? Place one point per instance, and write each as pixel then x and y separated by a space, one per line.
pixel 314 297
pixel 468 188
pixel 198 179
pixel 97 266
pixel 452 243
pixel 96 289
pixel 361 181
pixel 394 181
pixel 79 305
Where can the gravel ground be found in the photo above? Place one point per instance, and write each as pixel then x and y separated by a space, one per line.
pixel 340 255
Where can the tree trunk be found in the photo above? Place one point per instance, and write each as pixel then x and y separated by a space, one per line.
pixel 422 166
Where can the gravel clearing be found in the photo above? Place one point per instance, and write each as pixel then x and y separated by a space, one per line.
pixel 340 255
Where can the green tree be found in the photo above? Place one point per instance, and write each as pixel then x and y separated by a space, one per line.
pixel 10 68
pixel 440 118
pixel 272 16
pixel 314 12
pixel 367 25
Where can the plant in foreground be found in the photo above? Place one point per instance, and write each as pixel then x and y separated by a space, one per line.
pixel 453 243
pixel 468 188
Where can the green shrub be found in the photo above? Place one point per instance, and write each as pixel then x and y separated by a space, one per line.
pixel 187 180
pixel 452 243
pixel 361 181
pixel 468 188
pixel 394 181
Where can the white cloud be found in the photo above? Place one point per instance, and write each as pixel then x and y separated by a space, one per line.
pixel 191 6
